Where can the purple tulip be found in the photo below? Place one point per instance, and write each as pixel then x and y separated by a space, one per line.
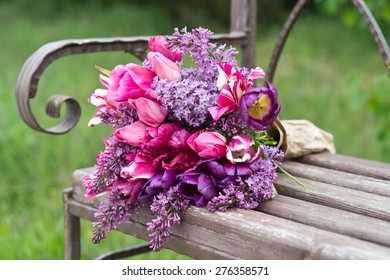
pixel 259 107
pixel 209 178
pixel 198 187
pixel 160 182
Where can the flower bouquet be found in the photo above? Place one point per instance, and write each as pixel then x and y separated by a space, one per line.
pixel 183 135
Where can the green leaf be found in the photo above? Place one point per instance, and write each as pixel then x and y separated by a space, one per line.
pixel 103 70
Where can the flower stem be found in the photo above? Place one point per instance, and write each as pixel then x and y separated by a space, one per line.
pixel 290 176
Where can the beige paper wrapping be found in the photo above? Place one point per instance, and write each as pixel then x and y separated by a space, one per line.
pixel 303 137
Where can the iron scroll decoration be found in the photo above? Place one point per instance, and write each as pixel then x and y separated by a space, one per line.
pixel 28 79
pixel 27 83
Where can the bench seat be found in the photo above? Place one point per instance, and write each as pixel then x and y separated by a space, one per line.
pixel 343 213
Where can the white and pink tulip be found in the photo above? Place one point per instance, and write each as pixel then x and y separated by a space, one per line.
pixel 241 150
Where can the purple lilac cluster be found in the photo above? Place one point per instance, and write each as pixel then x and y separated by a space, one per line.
pixel 166 207
pixel 109 216
pixel 123 115
pixel 188 100
pixel 109 164
pixel 231 125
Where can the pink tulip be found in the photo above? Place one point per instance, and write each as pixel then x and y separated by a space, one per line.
pixel 141 167
pixel 150 112
pixel 159 44
pixel 113 84
pixel 183 161
pixel 130 188
pixel 178 140
pixel 232 86
pixel 208 144
pixel 257 73
pixel 158 138
pixel 132 134
pixel 164 68
pixel 135 83
pixel 241 149
pixel 129 81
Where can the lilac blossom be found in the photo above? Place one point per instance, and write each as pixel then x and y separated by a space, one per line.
pixel 231 124
pixel 166 206
pixel 187 101
pixel 123 115
pixel 109 216
pixel 109 165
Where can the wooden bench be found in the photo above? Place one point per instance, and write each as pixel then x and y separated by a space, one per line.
pixel 344 213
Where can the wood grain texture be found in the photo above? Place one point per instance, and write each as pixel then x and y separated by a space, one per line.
pixel 364 167
pixel 328 218
pixel 359 202
pixel 205 235
pixel 340 215
pixel 339 178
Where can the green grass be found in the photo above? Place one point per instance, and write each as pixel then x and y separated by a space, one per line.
pixel 326 75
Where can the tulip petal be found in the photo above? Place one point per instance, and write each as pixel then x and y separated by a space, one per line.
pixel 149 111
pixel 132 134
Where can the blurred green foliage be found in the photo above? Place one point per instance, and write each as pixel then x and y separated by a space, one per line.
pixel 347 11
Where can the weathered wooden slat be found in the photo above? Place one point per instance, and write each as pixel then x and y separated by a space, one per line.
pixel 340 178
pixel 327 218
pixel 335 196
pixel 133 227
pixel 257 235
pixel 364 167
